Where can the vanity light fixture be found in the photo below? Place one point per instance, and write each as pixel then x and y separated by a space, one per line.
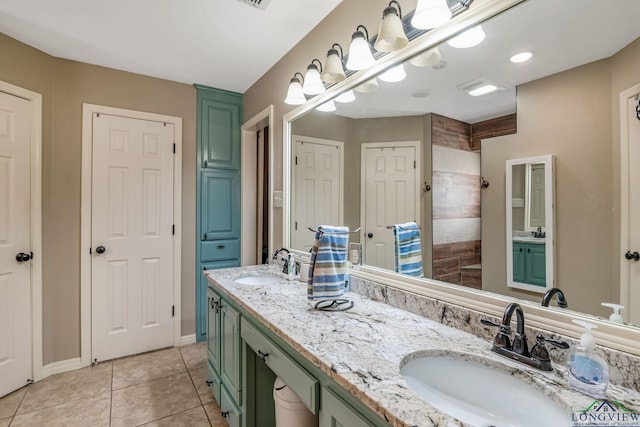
pixel 327 107
pixel 333 68
pixel 369 86
pixel 312 83
pixel 346 97
pixel 360 56
pixel 394 74
pixel 431 14
pixel 521 57
pixel 427 58
pixel 391 35
pixel 472 37
pixel 295 95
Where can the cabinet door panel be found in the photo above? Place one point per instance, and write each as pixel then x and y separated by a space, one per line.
pixel 536 265
pixel 213 330
pixel 231 362
pixel 518 262
pixel 220 134
pixel 220 205
pixel 213 381
pixel 336 413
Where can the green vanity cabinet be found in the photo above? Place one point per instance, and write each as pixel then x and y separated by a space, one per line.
pixel 337 413
pixel 219 115
pixel 224 356
pixel 244 358
pixel 529 263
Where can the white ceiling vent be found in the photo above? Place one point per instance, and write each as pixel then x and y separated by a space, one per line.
pixel 258 4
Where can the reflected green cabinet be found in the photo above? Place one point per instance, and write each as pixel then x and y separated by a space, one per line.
pixel 529 264
pixel 219 115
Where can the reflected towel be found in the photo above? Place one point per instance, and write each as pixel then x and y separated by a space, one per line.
pixel 328 263
pixel 408 249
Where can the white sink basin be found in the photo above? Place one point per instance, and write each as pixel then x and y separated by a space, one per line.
pixel 258 280
pixel 481 395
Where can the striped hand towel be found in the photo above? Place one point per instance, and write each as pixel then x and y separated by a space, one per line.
pixel 328 263
pixel 408 249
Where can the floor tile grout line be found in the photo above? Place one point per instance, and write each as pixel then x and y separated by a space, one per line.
pixel 172 415
pixel 19 404
pixel 151 380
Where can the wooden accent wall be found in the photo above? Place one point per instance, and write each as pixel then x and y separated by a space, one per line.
pixel 505 125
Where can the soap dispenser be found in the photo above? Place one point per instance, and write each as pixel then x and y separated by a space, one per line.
pixel 588 372
pixel 615 316
pixel 291 267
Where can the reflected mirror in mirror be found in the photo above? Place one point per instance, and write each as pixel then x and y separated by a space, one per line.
pixel 563 101
pixel 530 218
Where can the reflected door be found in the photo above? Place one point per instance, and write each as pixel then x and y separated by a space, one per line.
pixel 632 302
pixel 389 185
pixel 317 181
pixel 15 239
pixel 132 249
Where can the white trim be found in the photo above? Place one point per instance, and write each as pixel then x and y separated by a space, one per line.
pixel 85 219
pixel 608 334
pixel 35 100
pixel 625 265
pixel 187 339
pixel 248 177
pixel 549 212
pixel 61 367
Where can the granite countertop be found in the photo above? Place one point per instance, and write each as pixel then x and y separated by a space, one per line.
pixel 363 349
pixel 529 239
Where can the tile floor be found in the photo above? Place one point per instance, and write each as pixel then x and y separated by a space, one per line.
pixel 161 388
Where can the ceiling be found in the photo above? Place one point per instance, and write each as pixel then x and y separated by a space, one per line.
pixel 561 34
pixel 220 43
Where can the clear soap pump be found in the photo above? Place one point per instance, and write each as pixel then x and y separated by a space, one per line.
pixel 291 267
pixel 588 372
pixel 615 316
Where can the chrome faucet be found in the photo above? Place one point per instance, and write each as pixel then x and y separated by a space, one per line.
pixel 562 301
pixel 519 350
pixel 285 267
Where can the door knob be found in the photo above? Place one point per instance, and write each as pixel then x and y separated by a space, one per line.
pixel 100 249
pixel 632 256
pixel 22 257
pixel 369 235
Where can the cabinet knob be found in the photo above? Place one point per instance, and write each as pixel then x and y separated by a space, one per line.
pixel 209 383
pixel 262 356
pixel 224 414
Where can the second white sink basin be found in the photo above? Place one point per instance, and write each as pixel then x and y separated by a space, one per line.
pixel 481 395
pixel 258 280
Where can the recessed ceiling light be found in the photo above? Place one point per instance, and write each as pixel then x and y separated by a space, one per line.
pixel 521 57
pixel 420 93
pixel 471 37
pixel 483 90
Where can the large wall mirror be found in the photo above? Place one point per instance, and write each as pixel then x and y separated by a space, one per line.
pixel 445 145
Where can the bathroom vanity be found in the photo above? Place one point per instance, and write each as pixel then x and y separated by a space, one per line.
pixel 344 366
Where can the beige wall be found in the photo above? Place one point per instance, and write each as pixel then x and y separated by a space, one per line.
pixel 567 115
pixel 271 88
pixel 65 85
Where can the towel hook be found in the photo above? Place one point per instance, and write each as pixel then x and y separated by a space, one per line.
pixel 483 182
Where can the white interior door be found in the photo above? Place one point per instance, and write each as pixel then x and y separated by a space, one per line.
pixel 389 189
pixel 317 184
pixel 131 233
pixel 15 243
pixel 630 295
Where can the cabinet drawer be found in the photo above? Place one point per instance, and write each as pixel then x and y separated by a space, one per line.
pixel 303 384
pixel 230 411
pixel 213 381
pixel 220 250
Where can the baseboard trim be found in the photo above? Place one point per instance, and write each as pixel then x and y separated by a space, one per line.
pixel 187 339
pixel 61 366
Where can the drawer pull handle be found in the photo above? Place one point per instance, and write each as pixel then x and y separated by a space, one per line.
pixel 262 356
pixel 220 246
pixel 224 414
pixel 209 383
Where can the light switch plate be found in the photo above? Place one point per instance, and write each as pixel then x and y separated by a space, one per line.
pixel 277 199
